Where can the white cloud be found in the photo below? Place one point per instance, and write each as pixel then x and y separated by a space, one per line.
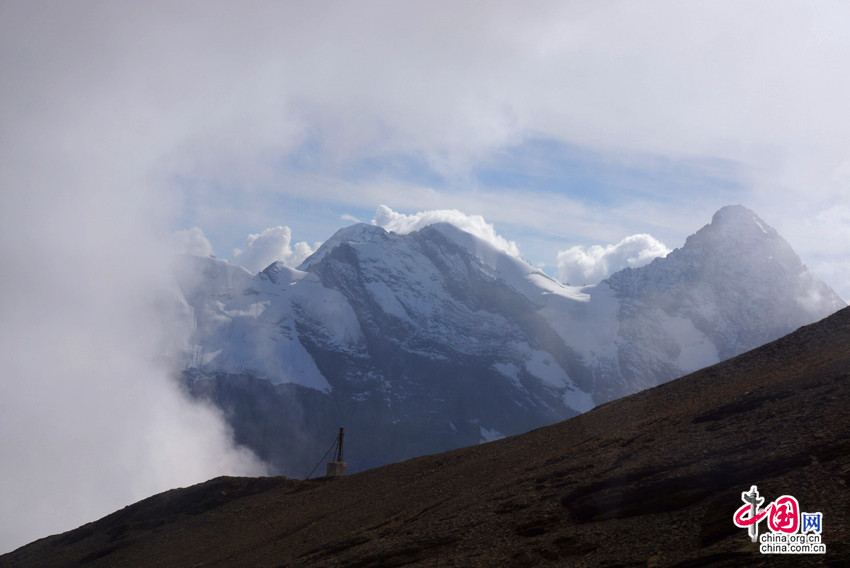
pixel 191 241
pixel 221 94
pixel 473 224
pixel 90 414
pixel 579 265
pixel 270 246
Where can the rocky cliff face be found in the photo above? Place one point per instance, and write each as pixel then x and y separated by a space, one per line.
pixel 735 284
pixel 431 340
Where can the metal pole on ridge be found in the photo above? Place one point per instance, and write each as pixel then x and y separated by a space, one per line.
pixel 339 446
pixel 336 468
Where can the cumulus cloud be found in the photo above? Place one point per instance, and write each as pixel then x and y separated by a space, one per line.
pixel 273 244
pixel 579 265
pixel 227 95
pixel 191 241
pixel 473 224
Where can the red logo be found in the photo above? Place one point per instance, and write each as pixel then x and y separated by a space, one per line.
pixel 790 530
pixel 783 515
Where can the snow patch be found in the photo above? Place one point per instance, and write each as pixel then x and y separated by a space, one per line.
pixel 386 298
pixel 543 366
pixel 588 325
pixel 696 349
pixel 509 370
pixel 206 358
pixel 489 435
pixel 548 285
pixel 578 400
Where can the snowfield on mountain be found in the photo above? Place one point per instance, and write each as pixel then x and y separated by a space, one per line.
pixel 436 339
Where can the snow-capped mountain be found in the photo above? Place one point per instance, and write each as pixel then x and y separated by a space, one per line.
pixel 735 284
pixel 435 339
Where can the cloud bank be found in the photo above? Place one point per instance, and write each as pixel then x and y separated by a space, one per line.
pixel 91 418
pixel 579 265
pixel 473 224
pixel 257 109
pixel 270 246
pixel 91 415
pixel 191 241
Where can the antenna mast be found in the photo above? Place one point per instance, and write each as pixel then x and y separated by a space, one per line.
pixel 339 446
pixel 336 468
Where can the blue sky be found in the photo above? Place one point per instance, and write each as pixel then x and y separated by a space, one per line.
pixel 591 185
pixel 562 124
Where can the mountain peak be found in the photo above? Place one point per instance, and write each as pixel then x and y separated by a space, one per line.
pixel 357 233
pixel 737 219
pixel 734 213
pixel 440 331
pixel 736 234
pixel 736 279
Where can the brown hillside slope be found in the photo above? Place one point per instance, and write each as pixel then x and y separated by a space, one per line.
pixel 649 480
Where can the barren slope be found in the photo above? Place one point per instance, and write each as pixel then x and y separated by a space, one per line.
pixel 649 480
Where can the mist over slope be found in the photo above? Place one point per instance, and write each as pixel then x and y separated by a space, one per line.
pixel 434 339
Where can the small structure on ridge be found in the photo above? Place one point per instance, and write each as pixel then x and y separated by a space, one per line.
pixel 336 468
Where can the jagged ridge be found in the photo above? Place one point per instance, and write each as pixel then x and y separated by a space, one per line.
pixel 435 339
